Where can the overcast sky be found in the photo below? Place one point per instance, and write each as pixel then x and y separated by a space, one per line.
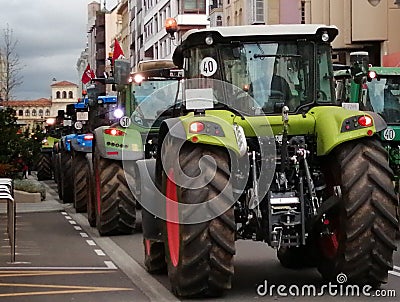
pixel 51 35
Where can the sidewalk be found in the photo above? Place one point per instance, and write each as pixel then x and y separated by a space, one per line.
pixel 50 204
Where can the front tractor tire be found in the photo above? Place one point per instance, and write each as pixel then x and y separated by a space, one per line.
pixel 114 201
pixel 364 225
pixel 199 256
pixel 154 256
pixel 44 171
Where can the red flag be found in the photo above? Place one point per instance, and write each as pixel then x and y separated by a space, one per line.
pixel 88 74
pixel 118 53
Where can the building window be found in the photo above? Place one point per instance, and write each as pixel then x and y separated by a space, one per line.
pixel 228 21
pixel 47 112
pixel 64 94
pixel 40 112
pixel 33 112
pixel 219 21
pixel 258 12
pixel 27 113
pixel 58 95
pixel 303 12
pixel 194 6
pixel 20 112
pixel 70 95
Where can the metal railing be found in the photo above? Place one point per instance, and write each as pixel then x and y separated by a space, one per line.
pixel 7 193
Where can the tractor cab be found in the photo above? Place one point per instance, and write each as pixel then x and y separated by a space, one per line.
pixel 274 67
pixel 383 97
pixel 153 92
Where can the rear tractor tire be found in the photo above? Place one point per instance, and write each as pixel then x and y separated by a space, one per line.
pixel 67 184
pixel 364 226
pixel 114 201
pixel 44 170
pixel 81 170
pixel 199 256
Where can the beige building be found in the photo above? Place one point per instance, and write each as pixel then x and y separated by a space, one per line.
pixel 31 113
pixel 368 25
pixel 35 112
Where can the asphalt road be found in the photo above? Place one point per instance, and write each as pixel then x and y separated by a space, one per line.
pixel 61 258
pixel 256 265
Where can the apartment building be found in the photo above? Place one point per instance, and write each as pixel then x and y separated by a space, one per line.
pixel 148 35
pixel 368 25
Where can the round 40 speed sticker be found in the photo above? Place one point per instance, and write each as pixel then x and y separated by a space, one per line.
pixel 389 134
pixel 208 67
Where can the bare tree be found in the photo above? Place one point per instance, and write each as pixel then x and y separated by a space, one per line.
pixel 10 66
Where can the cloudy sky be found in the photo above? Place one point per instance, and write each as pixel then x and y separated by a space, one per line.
pixel 50 35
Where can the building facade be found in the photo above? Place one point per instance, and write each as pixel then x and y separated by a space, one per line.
pixel 33 113
pixel 138 25
pixel 148 38
pixel 364 25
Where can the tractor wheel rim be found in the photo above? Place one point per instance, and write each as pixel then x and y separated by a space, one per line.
pixel 172 218
pixel 147 246
pixel 330 243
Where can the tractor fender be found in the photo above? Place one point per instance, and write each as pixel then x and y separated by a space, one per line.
pixel 336 125
pixel 78 144
pixel 230 135
pixel 148 198
pixel 128 147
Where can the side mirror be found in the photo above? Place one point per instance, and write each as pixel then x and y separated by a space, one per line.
pixel 177 57
pixel 122 69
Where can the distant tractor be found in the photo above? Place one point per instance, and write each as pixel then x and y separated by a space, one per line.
pixel 53 128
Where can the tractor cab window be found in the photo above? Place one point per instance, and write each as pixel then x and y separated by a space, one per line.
pixel 383 97
pixel 151 98
pixel 324 83
pixel 262 77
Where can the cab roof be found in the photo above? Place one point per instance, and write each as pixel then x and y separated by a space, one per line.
pixel 277 30
pixel 385 71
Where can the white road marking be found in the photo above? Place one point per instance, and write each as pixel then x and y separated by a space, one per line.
pixel 91 242
pixel 397 268
pixel 99 253
pixel 72 221
pixel 394 273
pixel 84 235
pixel 78 228
pixel 110 264
pixel 68 217
pixel 64 213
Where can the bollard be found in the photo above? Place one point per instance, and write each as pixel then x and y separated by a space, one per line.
pixel 6 193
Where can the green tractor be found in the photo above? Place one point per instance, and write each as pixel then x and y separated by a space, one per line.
pixel 54 129
pixel 375 89
pixel 116 147
pixel 255 147
pixel 383 97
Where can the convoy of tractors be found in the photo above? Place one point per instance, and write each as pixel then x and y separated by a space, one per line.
pixel 241 136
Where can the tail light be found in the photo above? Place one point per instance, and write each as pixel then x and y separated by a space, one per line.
pixel 114 132
pixel 196 127
pixel 365 121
